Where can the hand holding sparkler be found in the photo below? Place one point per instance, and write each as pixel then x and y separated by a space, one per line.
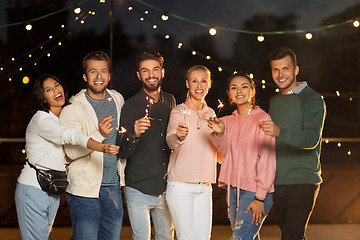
pixel 140 126
pixel 182 131
pixel 105 126
pixel 217 125
pixel 110 149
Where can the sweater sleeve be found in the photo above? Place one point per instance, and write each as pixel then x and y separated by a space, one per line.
pixel 223 144
pixel 313 120
pixel 176 117
pixel 266 164
pixel 54 132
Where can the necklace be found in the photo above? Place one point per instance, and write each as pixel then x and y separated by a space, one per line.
pixel 201 116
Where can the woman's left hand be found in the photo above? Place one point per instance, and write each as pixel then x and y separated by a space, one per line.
pixel 111 149
pixel 257 211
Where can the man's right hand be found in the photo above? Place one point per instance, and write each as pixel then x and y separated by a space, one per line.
pixel 140 126
pixel 105 126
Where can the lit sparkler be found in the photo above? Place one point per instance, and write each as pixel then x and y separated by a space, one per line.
pixel 220 106
pixel 121 132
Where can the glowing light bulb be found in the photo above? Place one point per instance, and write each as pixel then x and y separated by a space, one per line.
pixel 220 69
pixel 77 10
pixel 251 75
pixel 356 23
pixel 154 26
pixel 180 45
pixel 193 53
pixel 337 93
pixel 167 36
pixel 25 80
pixel 263 86
pixel 349 153
pixel 339 144
pixel 263 81
pixel 212 31
pixel 277 90
pixel 327 141
pixel 28 27
pixel 165 17
pixel 308 36
pixel 130 8
pixel 208 57
pixel 260 38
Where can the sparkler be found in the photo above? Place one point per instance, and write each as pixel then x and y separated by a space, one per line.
pixel 121 132
pixel 220 106
pixel 185 112
pixel 148 107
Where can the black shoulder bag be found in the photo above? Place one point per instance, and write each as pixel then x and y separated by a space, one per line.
pixel 51 181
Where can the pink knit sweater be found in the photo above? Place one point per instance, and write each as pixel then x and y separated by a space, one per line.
pixel 249 155
pixel 194 159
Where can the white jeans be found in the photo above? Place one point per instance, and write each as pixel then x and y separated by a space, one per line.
pixel 190 206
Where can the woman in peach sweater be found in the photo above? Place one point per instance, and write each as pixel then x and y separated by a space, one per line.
pixel 192 166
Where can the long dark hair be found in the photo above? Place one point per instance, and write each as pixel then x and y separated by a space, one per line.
pixel 38 98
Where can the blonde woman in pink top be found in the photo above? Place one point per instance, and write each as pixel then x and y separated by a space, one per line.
pixel 248 167
pixel 192 166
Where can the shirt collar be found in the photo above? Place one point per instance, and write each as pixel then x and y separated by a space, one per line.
pixel 144 94
pixel 298 89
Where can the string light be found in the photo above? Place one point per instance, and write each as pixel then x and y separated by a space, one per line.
pixel 28 27
pixel 208 57
pixel 220 69
pixel 77 10
pixel 263 86
pixel 167 36
pixel 146 12
pixel 349 153
pixel 141 19
pixel 356 23
pixel 30 55
pixel 180 45
pixel 25 80
pixel 130 8
pixel 235 72
pixel 263 81
pixel 251 75
pixel 339 144
pixel 337 93
pixel 260 38
pixel 308 35
pixel 193 52
pixel 212 31
pixel 165 16
pixel 277 90
pixel 154 26
pixel 102 1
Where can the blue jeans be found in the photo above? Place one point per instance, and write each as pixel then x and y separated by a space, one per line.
pixel 140 206
pixel 36 211
pixel 240 222
pixel 97 218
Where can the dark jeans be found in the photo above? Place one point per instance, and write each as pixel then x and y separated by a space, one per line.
pixel 293 207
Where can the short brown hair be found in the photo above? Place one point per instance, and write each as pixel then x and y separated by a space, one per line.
pixel 97 55
pixel 149 55
pixel 281 52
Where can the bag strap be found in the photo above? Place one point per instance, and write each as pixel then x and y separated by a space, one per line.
pixel 32 166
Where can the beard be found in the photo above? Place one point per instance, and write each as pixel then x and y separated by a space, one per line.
pixel 151 87
pixel 96 90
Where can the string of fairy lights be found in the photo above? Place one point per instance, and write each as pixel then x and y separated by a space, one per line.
pixel 45 48
pixel 56 40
